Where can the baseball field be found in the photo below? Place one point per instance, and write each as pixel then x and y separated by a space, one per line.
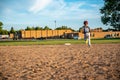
pixel 53 60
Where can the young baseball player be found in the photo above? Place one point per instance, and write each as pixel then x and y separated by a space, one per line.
pixel 86 31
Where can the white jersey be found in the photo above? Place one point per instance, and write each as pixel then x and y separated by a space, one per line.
pixel 86 29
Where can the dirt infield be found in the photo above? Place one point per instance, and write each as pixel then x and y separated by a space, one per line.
pixel 60 62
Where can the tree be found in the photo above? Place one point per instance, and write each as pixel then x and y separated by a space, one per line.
pixel 64 28
pixel 28 28
pixel 12 30
pixel 38 28
pixel 1 25
pixel 47 28
pixel 80 29
pixel 4 32
pixel 111 13
pixel 33 28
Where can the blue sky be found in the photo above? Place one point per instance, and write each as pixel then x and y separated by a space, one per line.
pixel 22 13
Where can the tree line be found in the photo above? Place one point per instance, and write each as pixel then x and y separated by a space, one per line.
pixel 12 30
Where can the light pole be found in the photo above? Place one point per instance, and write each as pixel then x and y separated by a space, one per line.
pixel 55 24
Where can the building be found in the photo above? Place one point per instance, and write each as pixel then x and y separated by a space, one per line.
pixel 28 34
pixel 65 34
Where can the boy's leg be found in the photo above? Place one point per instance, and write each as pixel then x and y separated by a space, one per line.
pixel 86 41
pixel 89 43
pixel 85 37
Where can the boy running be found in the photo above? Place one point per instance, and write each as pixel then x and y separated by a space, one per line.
pixel 86 31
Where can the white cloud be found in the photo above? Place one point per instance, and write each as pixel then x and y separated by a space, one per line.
pixel 59 9
pixel 39 5
pixel 75 6
pixel 95 5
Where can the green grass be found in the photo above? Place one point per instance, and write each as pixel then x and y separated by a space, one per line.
pixel 57 42
pixel 105 41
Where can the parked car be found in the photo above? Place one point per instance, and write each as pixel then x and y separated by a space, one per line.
pixel 107 36
pixel 76 37
pixel 4 36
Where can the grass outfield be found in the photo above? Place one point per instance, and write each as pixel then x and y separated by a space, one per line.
pixel 56 42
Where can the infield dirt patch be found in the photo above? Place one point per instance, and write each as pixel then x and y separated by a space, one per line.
pixel 60 62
